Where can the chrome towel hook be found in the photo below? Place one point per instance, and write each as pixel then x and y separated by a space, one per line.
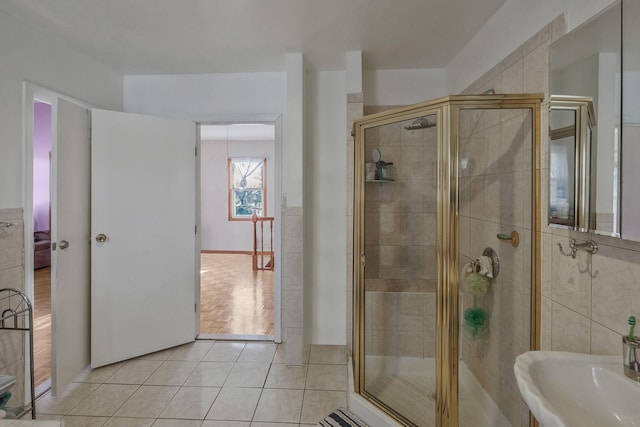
pixel 588 246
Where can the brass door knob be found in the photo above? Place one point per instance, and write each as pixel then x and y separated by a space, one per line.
pixel 101 238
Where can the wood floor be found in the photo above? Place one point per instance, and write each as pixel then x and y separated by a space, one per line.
pixel 234 300
pixel 42 324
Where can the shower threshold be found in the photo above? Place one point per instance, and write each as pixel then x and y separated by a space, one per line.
pixel 408 385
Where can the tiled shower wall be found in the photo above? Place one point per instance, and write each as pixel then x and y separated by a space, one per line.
pixel 495 198
pixel 12 276
pixel 400 233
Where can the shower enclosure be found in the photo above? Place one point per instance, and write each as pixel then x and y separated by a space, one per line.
pixel 440 188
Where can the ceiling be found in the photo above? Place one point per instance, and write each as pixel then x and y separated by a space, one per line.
pixel 217 36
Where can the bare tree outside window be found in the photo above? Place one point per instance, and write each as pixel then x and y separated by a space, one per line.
pixel 247 187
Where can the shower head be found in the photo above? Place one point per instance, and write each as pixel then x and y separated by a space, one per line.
pixel 420 123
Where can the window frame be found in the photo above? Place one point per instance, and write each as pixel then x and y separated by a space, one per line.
pixel 231 189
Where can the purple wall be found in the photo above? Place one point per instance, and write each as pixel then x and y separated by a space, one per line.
pixel 41 150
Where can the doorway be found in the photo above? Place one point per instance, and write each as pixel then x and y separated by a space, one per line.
pixel 41 221
pixel 239 236
pixel 56 203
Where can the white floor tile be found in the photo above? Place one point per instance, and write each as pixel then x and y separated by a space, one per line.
pixel 224 352
pixel 318 404
pixel 193 352
pixel 177 423
pixel 129 422
pixel 327 377
pixel 147 402
pixel 278 424
pixel 134 372
pixel 73 421
pixel 235 404
pixel 211 423
pixel 209 374
pixel 105 400
pixel 191 403
pixel 63 404
pixel 235 384
pixel 172 372
pixel 247 375
pixel 279 405
pixel 258 352
pixel 328 354
pixel 283 376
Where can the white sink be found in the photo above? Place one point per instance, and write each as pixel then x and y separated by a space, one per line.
pixel 577 390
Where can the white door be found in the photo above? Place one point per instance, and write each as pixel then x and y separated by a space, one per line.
pixel 143 252
pixel 70 215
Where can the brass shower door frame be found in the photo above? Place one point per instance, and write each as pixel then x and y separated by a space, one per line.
pixel 447 111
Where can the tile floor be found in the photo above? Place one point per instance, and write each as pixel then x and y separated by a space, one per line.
pixel 207 384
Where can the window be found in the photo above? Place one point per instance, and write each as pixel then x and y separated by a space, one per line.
pixel 247 189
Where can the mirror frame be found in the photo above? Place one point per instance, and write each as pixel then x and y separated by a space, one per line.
pixel 585 121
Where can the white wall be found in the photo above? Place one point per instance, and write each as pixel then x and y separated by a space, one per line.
pixel 217 232
pixel 325 168
pixel 29 55
pixel 403 87
pixel 514 23
pixel 206 97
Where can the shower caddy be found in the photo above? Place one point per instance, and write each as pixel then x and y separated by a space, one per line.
pixel 17 315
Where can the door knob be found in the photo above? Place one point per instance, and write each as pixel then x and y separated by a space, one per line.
pixel 64 244
pixel 101 238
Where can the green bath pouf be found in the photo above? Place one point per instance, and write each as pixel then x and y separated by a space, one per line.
pixel 476 284
pixel 474 321
pixel 4 398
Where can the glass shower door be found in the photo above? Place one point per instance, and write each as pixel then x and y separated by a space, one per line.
pixel 438 187
pixel 495 201
pixel 400 271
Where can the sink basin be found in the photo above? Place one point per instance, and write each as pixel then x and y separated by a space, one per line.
pixel 577 390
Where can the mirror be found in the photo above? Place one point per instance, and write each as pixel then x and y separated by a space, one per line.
pixel 586 64
pixel 571 123
pixel 630 140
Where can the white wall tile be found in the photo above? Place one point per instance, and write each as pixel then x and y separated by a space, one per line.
pixel 571 279
pixel 12 246
pixel 616 287
pixel 605 341
pixel 570 331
